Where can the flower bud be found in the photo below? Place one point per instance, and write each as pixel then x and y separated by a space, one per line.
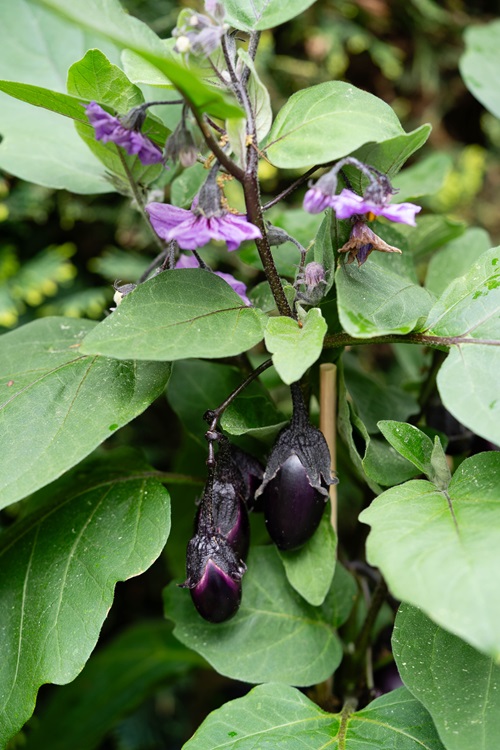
pixel 213 576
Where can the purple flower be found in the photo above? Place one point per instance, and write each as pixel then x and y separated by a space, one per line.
pixel 362 242
pixel 347 204
pixel 189 261
pixel 192 229
pixel 109 128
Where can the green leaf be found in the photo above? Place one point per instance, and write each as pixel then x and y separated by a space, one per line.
pixel 58 405
pixel 310 569
pixel 431 233
pixel 276 716
pixel 257 15
pixel 376 399
pixel 411 443
pixel 470 305
pixel 274 636
pixel 457 685
pixel 455 259
pixel 437 551
pixel 374 301
pixel 322 251
pixel 177 314
pixel 112 22
pixel 100 524
pixel 469 390
pixel 96 79
pixel 387 156
pixel 384 465
pixel 114 681
pixel 56 156
pixel 350 116
pixel 295 345
pixel 480 62
pixel 424 178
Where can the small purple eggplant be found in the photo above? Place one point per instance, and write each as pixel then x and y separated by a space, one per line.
pixel 292 507
pixel 296 480
pixel 213 576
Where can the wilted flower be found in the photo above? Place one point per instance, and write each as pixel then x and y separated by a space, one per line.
pixel 180 146
pixel 189 261
pixel 206 220
pixel 109 128
pixel 296 480
pixel 362 242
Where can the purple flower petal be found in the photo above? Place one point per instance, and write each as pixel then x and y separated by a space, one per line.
pixel 109 128
pixel 315 201
pixel 192 231
pixel 349 204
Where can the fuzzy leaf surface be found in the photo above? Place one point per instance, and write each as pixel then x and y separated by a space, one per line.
pixel 275 636
pixel 437 550
pixel 178 314
pixel 57 405
pixel 276 716
pixel 97 525
pixel 457 685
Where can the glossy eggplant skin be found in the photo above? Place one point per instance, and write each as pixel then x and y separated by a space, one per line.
pixel 216 596
pixel 292 507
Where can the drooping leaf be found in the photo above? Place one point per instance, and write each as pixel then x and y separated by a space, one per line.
pixel 411 443
pixel 276 716
pixel 275 636
pixel 178 314
pixel 113 682
pixel 103 522
pixel 437 551
pixel 374 301
pixel 479 64
pixel 114 24
pixel 457 685
pixel 251 15
pixel 310 569
pixel 350 116
pixel 58 405
pixel 295 344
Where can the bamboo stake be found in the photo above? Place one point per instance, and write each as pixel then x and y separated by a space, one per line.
pixel 328 422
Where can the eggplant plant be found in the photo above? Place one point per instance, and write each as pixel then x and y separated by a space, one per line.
pixel 302 336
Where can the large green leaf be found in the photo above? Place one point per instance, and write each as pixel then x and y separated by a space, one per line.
pixel 310 569
pixel 468 310
pixel 374 301
pixel 455 259
pixel 437 549
pixel 295 344
pixel 257 15
pixel 56 156
pixel 276 716
pixel 58 405
pixel 111 21
pixel 114 681
pixel 410 442
pixel 480 63
pixel 275 636
pixel 177 314
pixel 458 686
pixel 351 117
pixel 468 387
pixel 97 525
pixel 470 306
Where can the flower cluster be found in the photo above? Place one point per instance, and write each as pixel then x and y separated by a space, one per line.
pixel 198 33
pixel 125 133
pixel 348 204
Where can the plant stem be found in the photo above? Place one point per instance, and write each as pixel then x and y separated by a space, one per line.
pixel 212 416
pixel 336 340
pixel 300 181
pixel 139 199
